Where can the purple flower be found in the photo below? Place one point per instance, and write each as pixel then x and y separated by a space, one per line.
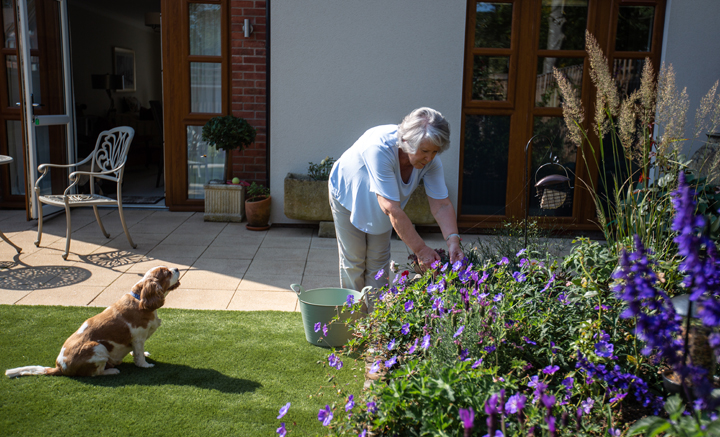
pixel 325 329
pixel 444 267
pixel 490 349
pixel 457 265
pixel 350 403
pixel 412 348
pixel 391 345
pixel 405 329
pixel 464 355
pixel 363 433
pixel 467 417
pixel 459 331
pixel 282 431
pixel 391 362
pixel 552 279
pixel 604 349
pixel 437 303
pixel 614 432
pixel 603 307
pixel 491 405
pixel 498 297
pixel 503 261
pixel 335 362
pixel 484 278
pixel 528 341
pixel 587 405
pixel 372 407
pixel 520 252
pixel 379 274
pixel 548 400
pixel 426 342
pixel 409 305
pixel 325 415
pixel 568 382
pixel 477 363
pixel 375 367
pixel 284 410
pixel 317 326
pixel 551 425
pixel 519 277
pixel 350 299
pixel 515 403
pixel 549 370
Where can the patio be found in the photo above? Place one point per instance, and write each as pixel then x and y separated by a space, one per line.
pixel 223 265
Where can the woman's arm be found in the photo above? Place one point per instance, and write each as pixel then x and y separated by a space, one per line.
pixel 407 233
pixel 444 213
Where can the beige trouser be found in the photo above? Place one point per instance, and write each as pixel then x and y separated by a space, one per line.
pixel 361 255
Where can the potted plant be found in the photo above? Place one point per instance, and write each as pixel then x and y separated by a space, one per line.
pixel 226 201
pixel 257 207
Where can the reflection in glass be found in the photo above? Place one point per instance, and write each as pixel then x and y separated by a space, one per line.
pixel 35 78
pixel 8 13
pixel 493 25
pixel 564 153
pixel 485 164
pixel 15 149
pixel 490 77
pixel 13 80
pixel 562 24
pixel 627 74
pixel 205 87
pixel 204 163
pixel 205 29
pixel 32 25
pixel 42 153
pixel 547 93
pixel 634 29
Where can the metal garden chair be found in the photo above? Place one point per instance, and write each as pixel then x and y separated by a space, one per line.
pixel 107 161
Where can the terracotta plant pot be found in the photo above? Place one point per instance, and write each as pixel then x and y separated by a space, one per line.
pixel 258 214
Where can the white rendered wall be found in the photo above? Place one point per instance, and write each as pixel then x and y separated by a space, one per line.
pixel 691 43
pixel 339 68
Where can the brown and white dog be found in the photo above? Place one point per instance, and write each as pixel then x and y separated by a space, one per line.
pixel 103 341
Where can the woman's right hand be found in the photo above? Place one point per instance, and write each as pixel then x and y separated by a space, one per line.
pixel 426 256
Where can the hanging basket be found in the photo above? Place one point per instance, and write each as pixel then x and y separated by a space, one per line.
pixel 554 191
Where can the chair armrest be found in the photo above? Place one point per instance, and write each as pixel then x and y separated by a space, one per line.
pixel 73 176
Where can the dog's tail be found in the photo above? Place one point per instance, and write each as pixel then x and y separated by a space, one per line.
pixel 32 370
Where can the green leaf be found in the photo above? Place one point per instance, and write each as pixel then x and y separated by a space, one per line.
pixel 674 407
pixel 645 424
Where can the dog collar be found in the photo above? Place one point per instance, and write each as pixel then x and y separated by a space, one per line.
pixel 135 295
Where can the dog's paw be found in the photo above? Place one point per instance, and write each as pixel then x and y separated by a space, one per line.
pixel 145 365
pixel 146 353
pixel 111 371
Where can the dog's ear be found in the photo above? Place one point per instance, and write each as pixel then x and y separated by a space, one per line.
pixel 152 295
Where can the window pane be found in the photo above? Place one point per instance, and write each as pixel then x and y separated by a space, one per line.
pixel 205 87
pixel 563 160
pixel 490 77
pixel 15 149
pixel 493 25
pixel 13 80
pixel 627 74
pixel 9 24
pixel 562 24
pixel 205 163
pixel 485 163
pixel 547 92
pixel 634 29
pixel 205 29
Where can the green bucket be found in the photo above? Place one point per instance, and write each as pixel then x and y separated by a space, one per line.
pixel 321 305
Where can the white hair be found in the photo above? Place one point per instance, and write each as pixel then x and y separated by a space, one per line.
pixel 420 125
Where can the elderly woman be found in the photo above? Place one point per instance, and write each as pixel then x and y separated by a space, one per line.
pixel 371 183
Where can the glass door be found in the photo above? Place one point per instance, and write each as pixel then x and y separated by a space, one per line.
pixel 46 97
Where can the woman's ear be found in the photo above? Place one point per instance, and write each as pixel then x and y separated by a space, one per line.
pixel 152 296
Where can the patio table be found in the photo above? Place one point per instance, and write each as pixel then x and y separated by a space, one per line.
pixel 4 159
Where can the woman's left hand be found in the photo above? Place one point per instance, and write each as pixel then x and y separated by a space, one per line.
pixel 456 253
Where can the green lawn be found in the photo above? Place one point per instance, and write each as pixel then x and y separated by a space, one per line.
pixel 216 373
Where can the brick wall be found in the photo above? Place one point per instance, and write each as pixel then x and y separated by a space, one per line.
pixel 247 85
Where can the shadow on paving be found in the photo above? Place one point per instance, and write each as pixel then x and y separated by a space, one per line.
pixel 41 278
pixel 172 374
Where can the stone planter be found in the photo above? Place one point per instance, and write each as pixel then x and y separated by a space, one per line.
pixel 307 199
pixel 224 203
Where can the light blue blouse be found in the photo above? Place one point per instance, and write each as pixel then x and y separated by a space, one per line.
pixel 371 167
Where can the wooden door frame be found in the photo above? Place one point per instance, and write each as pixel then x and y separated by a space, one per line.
pixel 176 95
pixel 602 23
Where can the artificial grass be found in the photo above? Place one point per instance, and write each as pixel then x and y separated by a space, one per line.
pixel 216 373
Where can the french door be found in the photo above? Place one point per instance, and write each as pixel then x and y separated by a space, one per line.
pixel 195 89
pixel 510 95
pixel 36 109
